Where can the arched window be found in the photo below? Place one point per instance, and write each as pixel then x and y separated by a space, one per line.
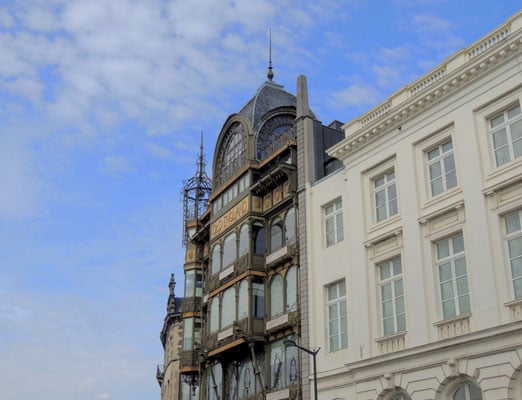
pixel 467 391
pixel 274 133
pixel 259 239
pixel 276 234
pixel 214 315
pixel 242 300
pixel 232 153
pixel 216 259
pixel 290 233
pixel 276 296
pixel 243 240
pixel 291 289
pixel 228 307
pixel 229 250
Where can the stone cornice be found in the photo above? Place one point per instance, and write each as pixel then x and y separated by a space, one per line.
pixel 456 72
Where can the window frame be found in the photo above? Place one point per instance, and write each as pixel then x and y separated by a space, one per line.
pixel 507 238
pixel 335 216
pixel 342 328
pixel 450 260
pixel 440 160
pixel 385 187
pixel 505 124
pixel 391 280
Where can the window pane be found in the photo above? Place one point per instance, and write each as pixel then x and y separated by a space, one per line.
pixel 435 170
pixel 447 146
pixel 502 156
pixel 398 287
pixel 243 240
pixel 190 283
pixel 387 309
pixel 400 305
pixel 516 267
pixel 433 154
pixel 385 271
pixel 388 327
pixel 443 249
pixel 451 179
pixel 342 288
pixel 291 289
pixel 445 272
pixel 512 222
pixel 397 267
pixel 332 292
pixel 276 296
pixel 497 120
pixel 401 323
pixel 216 258
pixel 392 193
pixel 513 111
pixel 436 187
pixel 380 198
pixel 460 266
pixel 229 250
pixel 386 292
pixel 228 308
pixel 290 226
pixel 446 290
pixel 449 163
pixel 393 207
pixel 500 138
pixel 464 306
pixel 448 309
pixel 515 247
pixel 458 243
pixel 242 302
pixel 462 285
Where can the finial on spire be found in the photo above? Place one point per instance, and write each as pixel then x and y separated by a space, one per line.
pixel 270 72
pixel 172 285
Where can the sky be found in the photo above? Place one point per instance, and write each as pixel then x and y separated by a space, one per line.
pixel 102 103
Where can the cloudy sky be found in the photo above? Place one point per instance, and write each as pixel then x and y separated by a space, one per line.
pixel 101 107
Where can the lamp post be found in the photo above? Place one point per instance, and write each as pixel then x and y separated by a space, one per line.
pixel 290 342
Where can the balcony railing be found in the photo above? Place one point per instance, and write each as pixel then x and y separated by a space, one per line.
pixel 160 373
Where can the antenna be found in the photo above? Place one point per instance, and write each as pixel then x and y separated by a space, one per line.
pixel 270 72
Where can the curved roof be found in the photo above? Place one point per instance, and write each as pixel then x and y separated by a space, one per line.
pixel 268 97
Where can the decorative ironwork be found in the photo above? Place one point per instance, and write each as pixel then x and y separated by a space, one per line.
pixel 274 134
pixel 195 193
pixel 192 380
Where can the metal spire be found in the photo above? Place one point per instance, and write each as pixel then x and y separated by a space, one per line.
pixel 270 72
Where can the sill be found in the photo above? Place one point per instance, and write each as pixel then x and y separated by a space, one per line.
pixel 504 168
pixel 452 327
pixel 435 200
pixel 384 223
pixel 391 336
pixel 515 309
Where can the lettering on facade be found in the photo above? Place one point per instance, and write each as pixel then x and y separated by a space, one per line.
pixel 230 217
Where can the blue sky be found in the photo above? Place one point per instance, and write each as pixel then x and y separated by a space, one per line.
pixel 101 106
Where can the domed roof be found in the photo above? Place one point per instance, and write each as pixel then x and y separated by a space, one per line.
pixel 268 97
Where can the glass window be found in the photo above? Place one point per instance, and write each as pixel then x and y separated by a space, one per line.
pixel 214 382
pixel 259 239
pixel 276 296
pixel 214 314
pixel 513 238
pixel 258 299
pixel 242 300
pixel 393 312
pixel 233 154
pixel 229 250
pixel 243 240
pixel 290 233
pixel 247 384
pixel 228 308
pixel 283 365
pixel 337 316
pixel 190 282
pixel 441 167
pixel 276 234
pixel 385 196
pixel 453 278
pixel 506 133
pixel 467 391
pixel 291 289
pixel 333 222
pixel 216 259
pixel 191 332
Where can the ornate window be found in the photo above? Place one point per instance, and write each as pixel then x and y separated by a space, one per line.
pixel 290 233
pixel 243 240
pixel 274 134
pixel 276 234
pixel 228 307
pixel 216 259
pixel 233 153
pixel 276 296
pixel 242 300
pixel 283 365
pixel 229 250
pixel 291 289
pixel 247 384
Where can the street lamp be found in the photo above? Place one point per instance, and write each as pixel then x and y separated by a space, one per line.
pixel 290 342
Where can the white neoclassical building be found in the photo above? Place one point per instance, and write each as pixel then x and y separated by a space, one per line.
pixel 415 245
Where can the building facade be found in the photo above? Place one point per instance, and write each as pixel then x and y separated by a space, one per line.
pixel 415 244
pixel 245 266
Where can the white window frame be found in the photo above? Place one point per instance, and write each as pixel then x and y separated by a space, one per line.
pixel 396 294
pixel 386 187
pixel 439 160
pixel 506 124
pixel 335 216
pixel 453 280
pixel 509 237
pixel 335 316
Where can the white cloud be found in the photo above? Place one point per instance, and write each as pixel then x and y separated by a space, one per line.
pixel 117 164
pixel 158 151
pixel 357 95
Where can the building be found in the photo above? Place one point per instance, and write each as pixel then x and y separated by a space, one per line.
pixel 415 244
pixel 245 267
